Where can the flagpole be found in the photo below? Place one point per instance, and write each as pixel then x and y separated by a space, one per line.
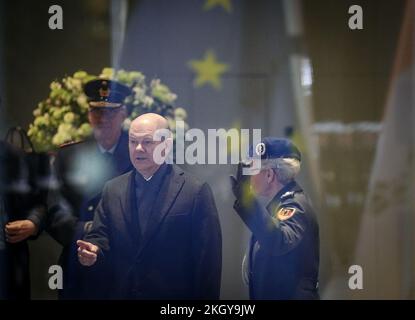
pixel 301 75
pixel 119 9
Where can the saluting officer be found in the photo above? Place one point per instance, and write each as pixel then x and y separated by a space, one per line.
pixel 282 261
pixel 83 168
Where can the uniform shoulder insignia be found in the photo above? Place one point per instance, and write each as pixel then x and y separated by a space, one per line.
pixel 287 195
pixel 285 213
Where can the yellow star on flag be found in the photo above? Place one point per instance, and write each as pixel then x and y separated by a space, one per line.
pixel 208 70
pixel 226 5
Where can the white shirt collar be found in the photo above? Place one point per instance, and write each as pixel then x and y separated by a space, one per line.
pixel 103 150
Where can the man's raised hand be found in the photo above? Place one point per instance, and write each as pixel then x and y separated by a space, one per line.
pixel 87 253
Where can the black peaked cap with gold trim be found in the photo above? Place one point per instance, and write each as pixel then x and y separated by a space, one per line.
pixel 103 93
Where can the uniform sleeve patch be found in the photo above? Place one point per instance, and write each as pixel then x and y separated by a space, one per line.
pixel 285 213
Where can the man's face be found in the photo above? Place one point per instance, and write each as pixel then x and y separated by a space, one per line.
pixel 142 146
pixel 106 122
pixel 260 182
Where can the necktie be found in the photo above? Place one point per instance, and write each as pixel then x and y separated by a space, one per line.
pixel 145 205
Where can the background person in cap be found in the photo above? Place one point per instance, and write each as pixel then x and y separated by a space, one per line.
pixel 282 260
pixel 83 168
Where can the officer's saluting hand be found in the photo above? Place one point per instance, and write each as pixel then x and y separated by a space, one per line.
pixel 241 187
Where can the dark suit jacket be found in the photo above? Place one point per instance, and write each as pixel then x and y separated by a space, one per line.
pixel 180 254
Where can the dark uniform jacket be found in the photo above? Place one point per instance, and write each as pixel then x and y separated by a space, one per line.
pixel 283 257
pixel 177 256
pixel 82 170
pixel 20 198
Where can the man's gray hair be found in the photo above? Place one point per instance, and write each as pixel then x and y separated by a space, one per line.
pixel 286 169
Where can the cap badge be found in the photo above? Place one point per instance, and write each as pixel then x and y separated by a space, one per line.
pixel 104 92
pixel 260 149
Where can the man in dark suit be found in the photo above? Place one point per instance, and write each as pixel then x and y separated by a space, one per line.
pixel 283 257
pixel 83 168
pixel 156 226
